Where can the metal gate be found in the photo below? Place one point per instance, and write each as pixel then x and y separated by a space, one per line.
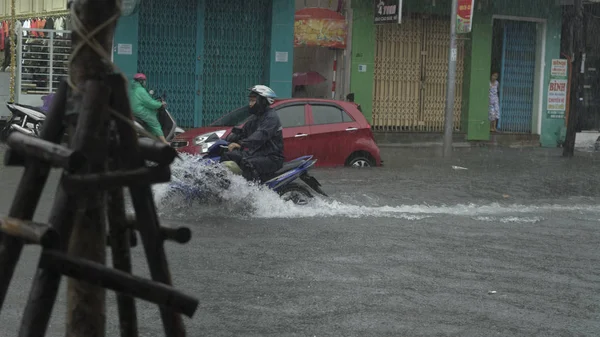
pixel 236 53
pixel 411 66
pixel 517 78
pixel 167 53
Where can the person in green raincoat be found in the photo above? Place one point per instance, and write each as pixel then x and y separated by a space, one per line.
pixel 145 108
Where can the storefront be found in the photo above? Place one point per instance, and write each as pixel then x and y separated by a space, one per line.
pixel 408 64
pixel 410 74
pixel 320 49
pixel 399 70
pixel 203 55
pixel 519 40
pixel 27 71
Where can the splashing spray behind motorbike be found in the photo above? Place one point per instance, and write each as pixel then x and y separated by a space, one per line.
pixel 223 192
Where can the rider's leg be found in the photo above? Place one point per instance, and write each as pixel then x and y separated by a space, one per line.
pixel 260 167
pixel 233 167
pixel 232 161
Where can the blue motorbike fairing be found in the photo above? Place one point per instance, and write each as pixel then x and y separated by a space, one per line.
pixel 290 172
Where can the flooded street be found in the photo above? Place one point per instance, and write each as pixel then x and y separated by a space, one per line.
pixel 494 242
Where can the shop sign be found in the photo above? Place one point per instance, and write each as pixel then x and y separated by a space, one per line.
pixel 388 11
pixel 320 27
pixel 558 90
pixel 464 16
pixel 559 68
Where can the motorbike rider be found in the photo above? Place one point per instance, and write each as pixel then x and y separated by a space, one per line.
pixel 257 148
pixel 145 108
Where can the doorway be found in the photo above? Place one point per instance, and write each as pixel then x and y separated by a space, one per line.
pixel 517 54
pixel 411 67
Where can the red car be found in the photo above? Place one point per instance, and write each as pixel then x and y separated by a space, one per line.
pixel 334 132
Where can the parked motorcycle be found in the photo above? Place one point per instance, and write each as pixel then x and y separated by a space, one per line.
pixel 25 119
pixel 284 181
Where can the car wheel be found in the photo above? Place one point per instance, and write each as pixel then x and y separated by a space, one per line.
pixel 360 161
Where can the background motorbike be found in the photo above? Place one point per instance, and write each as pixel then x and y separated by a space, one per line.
pixel 168 124
pixel 29 120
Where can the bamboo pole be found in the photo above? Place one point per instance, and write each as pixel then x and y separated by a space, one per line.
pixel 145 210
pixel 29 192
pixel 94 22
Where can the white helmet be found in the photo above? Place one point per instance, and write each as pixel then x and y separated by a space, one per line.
pixel 264 91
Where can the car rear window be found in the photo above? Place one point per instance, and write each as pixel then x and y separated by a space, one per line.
pixel 291 116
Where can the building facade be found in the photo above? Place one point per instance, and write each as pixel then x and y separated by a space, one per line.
pixel 203 55
pixel 399 70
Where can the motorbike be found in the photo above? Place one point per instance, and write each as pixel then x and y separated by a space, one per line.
pixel 292 182
pixel 169 127
pixel 25 119
pixel 29 120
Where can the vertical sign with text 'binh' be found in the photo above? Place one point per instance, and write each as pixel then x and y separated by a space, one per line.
pixel 387 11
pixel 464 16
pixel 558 87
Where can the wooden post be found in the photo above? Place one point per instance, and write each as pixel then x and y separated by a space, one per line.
pixel 94 22
pixel 78 219
pixel 145 209
pixel 85 302
pixel 120 235
pixel 121 255
pixel 29 191
pixel 578 72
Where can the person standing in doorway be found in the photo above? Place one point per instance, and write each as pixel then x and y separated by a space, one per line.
pixel 494 106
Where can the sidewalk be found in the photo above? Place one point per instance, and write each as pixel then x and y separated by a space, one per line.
pixel 585 141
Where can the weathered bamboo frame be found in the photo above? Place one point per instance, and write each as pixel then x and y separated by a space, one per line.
pixel 103 156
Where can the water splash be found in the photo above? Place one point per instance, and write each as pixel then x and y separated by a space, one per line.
pixel 245 200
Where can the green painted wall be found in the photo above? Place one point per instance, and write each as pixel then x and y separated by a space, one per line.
pixel 439 7
pixel 479 52
pixel 282 40
pixel 127 33
pixel 363 53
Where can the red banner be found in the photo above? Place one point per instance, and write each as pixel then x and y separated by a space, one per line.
pixel 464 16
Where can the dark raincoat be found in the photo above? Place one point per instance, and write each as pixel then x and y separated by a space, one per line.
pixel 262 141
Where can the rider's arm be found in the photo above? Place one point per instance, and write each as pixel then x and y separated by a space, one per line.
pixel 147 100
pixel 267 128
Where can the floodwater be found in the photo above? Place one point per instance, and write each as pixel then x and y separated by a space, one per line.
pixel 493 242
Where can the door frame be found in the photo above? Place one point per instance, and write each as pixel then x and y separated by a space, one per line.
pixel 540 66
